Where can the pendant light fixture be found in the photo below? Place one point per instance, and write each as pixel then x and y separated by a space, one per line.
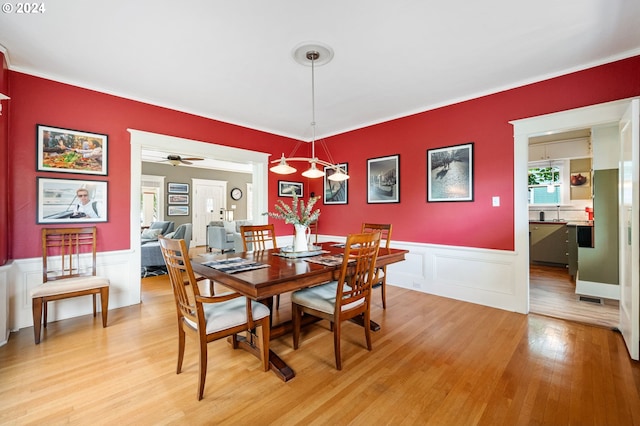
pixel 313 55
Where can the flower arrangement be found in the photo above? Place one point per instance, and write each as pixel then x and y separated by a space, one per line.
pixel 290 213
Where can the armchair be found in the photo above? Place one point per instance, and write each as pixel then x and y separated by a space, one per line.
pixel 225 236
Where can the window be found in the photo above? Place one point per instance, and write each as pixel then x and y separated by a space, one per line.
pixel 547 183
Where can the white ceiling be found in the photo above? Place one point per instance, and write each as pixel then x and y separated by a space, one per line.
pixel 232 60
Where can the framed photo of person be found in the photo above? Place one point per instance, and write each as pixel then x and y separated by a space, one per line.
pixel 71 151
pixel 71 201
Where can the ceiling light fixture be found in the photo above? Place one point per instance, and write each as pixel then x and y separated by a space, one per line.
pixel 313 55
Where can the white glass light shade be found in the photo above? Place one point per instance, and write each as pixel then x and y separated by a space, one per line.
pixel 313 172
pixel 283 168
pixel 338 176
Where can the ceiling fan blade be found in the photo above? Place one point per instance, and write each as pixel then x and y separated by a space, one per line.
pixel 193 159
pixel 183 161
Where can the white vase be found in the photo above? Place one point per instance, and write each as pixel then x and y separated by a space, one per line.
pixel 300 238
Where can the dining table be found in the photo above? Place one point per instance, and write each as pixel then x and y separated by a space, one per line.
pixel 261 275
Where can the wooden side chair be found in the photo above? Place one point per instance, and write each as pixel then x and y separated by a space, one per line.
pixel 385 240
pixel 259 237
pixel 344 299
pixel 68 270
pixel 209 318
pixel 313 230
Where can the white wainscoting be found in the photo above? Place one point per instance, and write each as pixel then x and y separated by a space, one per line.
pixel 4 303
pixel 25 274
pixel 481 276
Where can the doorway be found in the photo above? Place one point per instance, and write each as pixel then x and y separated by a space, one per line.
pixel 209 198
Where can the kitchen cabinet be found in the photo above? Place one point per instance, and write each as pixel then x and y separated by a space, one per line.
pixel 549 243
pixel 579 148
pixel 572 251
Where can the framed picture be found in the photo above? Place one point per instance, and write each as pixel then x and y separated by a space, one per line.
pixel 71 201
pixel 450 173
pixel 178 199
pixel 287 189
pixel 71 151
pixel 178 211
pixel 383 179
pixel 178 188
pixel 335 192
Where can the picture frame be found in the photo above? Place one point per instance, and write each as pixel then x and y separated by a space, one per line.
pixel 178 198
pixel 450 173
pixel 336 192
pixel 178 211
pixel 71 151
pixel 287 189
pixel 178 188
pixel 383 179
pixel 61 201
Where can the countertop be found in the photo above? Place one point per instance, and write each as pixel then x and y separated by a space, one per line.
pixel 564 222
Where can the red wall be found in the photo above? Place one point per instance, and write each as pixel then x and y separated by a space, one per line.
pixel 40 101
pixel 484 121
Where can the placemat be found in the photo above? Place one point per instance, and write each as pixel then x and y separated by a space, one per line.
pixel 233 265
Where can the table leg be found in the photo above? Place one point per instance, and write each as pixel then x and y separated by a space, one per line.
pixel 373 326
pixel 277 365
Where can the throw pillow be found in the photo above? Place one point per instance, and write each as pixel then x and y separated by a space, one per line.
pixel 230 227
pixel 150 234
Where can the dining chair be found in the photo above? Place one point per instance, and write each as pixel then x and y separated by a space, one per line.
pixel 381 273
pixel 344 299
pixel 259 237
pixel 68 270
pixel 209 318
pixel 313 230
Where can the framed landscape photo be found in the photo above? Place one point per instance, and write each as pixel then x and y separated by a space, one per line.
pixel 335 192
pixel 287 189
pixel 450 173
pixel 71 201
pixel 178 188
pixel 383 179
pixel 71 151
pixel 178 211
pixel 178 199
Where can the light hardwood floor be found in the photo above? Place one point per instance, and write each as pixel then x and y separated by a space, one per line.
pixel 553 293
pixel 435 361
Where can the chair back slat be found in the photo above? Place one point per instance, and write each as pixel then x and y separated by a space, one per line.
pixel 68 253
pixel 256 237
pixel 180 274
pixel 383 228
pixel 358 270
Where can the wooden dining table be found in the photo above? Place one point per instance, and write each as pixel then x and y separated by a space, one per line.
pixel 281 273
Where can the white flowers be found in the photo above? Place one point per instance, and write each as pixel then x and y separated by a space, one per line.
pixel 290 213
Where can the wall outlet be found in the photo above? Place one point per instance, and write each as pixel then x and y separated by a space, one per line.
pixel 495 201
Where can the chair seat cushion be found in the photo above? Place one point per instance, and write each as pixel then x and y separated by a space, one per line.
pixel 321 298
pixel 69 285
pixel 220 316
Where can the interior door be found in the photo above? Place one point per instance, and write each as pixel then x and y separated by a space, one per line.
pixel 629 224
pixel 209 196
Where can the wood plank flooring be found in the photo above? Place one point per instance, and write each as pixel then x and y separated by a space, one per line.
pixel 552 293
pixel 435 361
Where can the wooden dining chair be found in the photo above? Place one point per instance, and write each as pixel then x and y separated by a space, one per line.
pixel 257 238
pixel 68 270
pixel 385 240
pixel 344 299
pixel 313 231
pixel 209 318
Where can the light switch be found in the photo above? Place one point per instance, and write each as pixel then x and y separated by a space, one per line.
pixel 495 202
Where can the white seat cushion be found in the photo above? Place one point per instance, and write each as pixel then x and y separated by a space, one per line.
pixel 224 315
pixel 69 285
pixel 321 298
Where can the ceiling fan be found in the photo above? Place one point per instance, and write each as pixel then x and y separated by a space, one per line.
pixel 176 160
